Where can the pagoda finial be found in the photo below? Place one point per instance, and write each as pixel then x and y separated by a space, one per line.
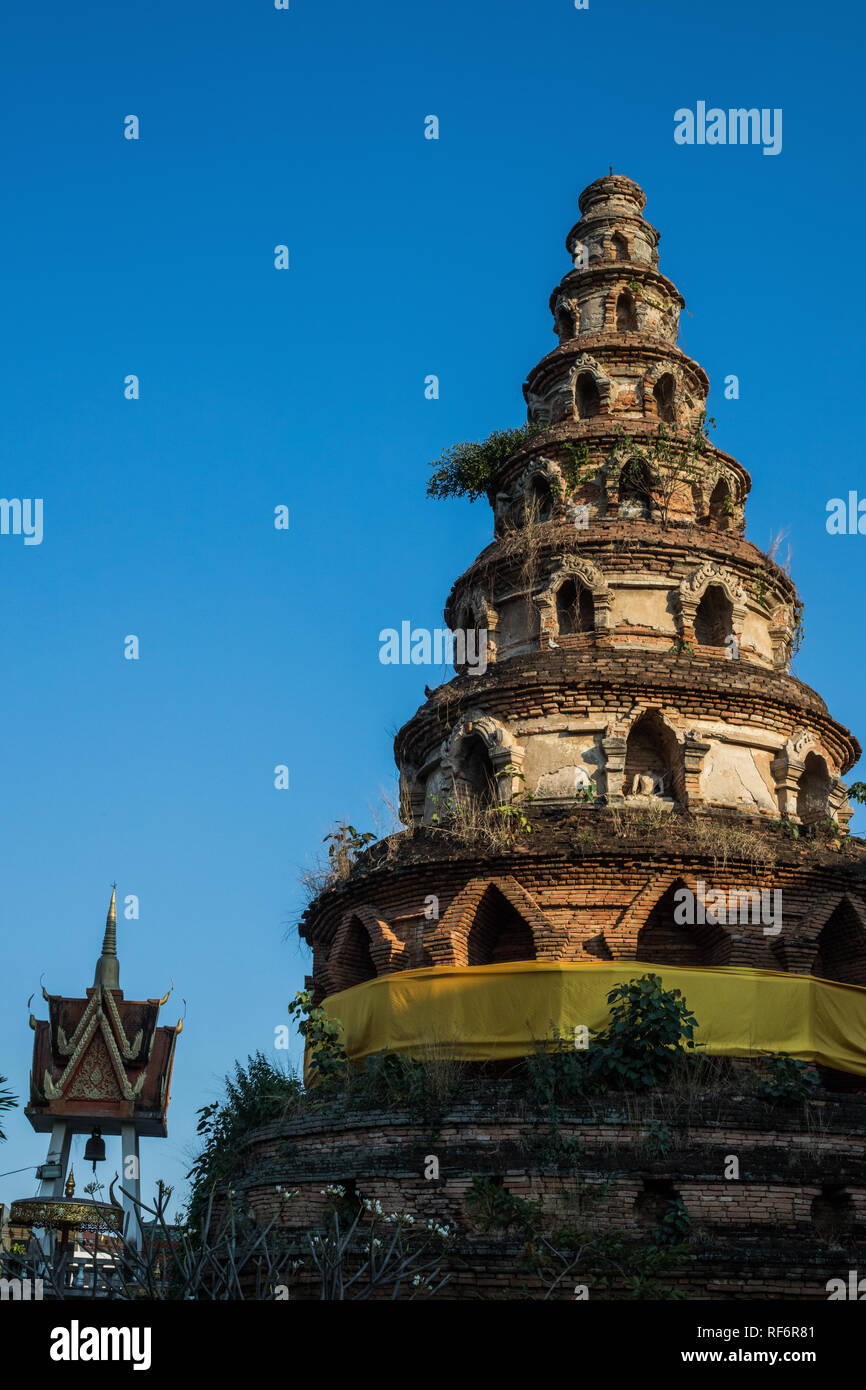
pixel 108 967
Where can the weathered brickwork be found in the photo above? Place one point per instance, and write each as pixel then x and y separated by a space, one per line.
pixel 610 902
pixel 637 709
pixel 792 1220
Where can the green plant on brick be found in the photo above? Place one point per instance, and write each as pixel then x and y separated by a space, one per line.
pixel 651 1031
pixel 491 1207
pixel 323 1037
pixel 673 1228
pixel 469 469
pixel 786 1080
pixel 560 1252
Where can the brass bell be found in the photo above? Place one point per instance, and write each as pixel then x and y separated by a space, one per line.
pixel 94 1151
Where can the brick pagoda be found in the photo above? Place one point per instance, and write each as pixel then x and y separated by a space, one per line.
pixel 638 649
pixel 638 712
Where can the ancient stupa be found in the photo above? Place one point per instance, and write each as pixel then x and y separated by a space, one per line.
pixel 635 783
pixel 638 652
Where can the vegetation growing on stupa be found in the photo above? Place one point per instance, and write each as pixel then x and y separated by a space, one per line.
pixel 468 469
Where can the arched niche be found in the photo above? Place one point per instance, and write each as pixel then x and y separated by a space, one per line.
pixel 619 247
pixel 566 320
pixel 802 758
pixel 813 790
pixel 473 622
pixel 634 492
pixel 652 751
pixel 575 608
pixel 626 312
pixel 714 619
pixel 587 397
pixel 590 388
pixel 688 597
pixel 840 951
pixel 664 395
pixel 351 961
pixel 475 757
pixel 539 500
pixel 591 591
pixel 721 509
pixel 498 932
pixel 668 937
pixel 474 773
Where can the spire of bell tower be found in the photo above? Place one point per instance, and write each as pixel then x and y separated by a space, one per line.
pixel 108 967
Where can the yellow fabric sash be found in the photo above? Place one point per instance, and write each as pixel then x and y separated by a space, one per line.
pixel 490 1012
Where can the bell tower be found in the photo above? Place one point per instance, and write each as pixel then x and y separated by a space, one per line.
pixel 101 1066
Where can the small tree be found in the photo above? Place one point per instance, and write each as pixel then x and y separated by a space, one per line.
pixel 470 468
pixel 255 1095
pixel 650 1030
pixel 669 464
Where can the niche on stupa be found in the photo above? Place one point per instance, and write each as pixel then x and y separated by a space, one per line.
pixel 473 622
pixel 813 790
pixel 536 493
pixel 589 388
pixel 840 950
pixel 566 319
pixel 351 960
pixel 575 609
pixel 492 920
pixel 719 500
pixel 665 939
pixel 653 762
pixel 714 619
pixel 689 601
pixel 626 313
pixel 475 758
pixel 619 247
pixel 586 396
pixel 634 493
pixel 575 601
pixel 474 777
pixel 721 510
pixel 664 394
pixel 539 501
pixel 364 947
pixel 498 932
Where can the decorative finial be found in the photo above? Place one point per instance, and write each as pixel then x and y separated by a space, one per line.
pixel 107 967
pixel 70 1184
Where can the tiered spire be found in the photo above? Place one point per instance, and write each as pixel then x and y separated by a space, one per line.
pixel 108 967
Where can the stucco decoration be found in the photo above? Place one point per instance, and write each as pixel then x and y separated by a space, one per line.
pixel 583 572
pixel 582 365
pixel 688 596
pixel 502 748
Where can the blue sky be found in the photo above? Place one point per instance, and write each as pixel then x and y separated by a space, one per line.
pixel 306 388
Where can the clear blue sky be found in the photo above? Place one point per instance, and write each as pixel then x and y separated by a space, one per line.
pixel 306 388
